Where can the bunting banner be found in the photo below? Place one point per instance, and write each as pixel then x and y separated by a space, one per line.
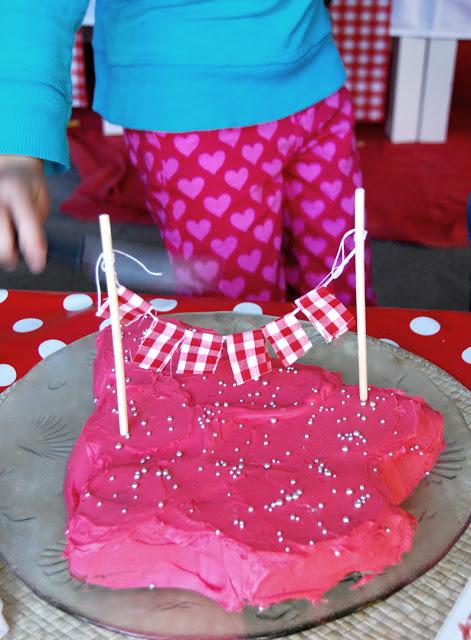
pixel 248 355
pixel 159 345
pixel 131 305
pixel 326 312
pixel 288 338
pixel 200 352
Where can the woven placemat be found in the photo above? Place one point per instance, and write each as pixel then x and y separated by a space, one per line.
pixel 415 612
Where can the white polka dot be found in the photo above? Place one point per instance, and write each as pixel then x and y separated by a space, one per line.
pixel 77 302
pixel 7 375
pixel 105 323
pixel 160 304
pixel 27 324
pixel 425 326
pixel 248 307
pixel 3 295
pixel 50 346
pixel 466 355
pixel 388 341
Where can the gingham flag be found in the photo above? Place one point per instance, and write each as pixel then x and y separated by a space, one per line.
pixel 248 355
pixel 326 312
pixel 199 352
pixel 130 305
pixel 159 345
pixel 288 338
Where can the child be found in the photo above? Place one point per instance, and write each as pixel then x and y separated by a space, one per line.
pixel 236 119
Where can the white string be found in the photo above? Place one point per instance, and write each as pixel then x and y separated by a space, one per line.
pixel 141 264
pixel 341 260
pixel 101 263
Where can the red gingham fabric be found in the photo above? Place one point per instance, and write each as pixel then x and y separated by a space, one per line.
pixel 131 305
pixel 248 355
pixel 199 352
pixel 361 32
pixel 77 71
pixel 288 338
pixel 326 312
pixel 159 345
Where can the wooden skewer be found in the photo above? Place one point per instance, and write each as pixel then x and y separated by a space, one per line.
pixel 108 256
pixel 360 292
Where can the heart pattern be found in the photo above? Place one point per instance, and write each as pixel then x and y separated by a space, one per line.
pixel 187 144
pixel 217 206
pixel 191 188
pixel 313 208
pixel 178 209
pixel 243 221
pixel 237 179
pixel 263 232
pixel 229 201
pixel 252 152
pixel 212 163
pixel 308 171
pixel 169 168
pixel 224 248
pixel 199 229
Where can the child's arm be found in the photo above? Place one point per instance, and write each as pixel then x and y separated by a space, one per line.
pixel 35 105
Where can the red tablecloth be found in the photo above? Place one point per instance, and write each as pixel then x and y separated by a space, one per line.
pixel 34 324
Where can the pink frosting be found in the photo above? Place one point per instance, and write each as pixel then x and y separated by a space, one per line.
pixel 272 490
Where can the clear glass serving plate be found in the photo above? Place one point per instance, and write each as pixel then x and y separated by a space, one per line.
pixel 42 415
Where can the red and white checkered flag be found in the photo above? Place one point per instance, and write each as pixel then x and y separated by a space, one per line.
pixel 158 347
pixel 78 73
pixel 199 352
pixel 288 338
pixel 248 355
pixel 326 312
pixel 131 305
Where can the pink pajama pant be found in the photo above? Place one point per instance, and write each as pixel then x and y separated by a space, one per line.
pixel 248 212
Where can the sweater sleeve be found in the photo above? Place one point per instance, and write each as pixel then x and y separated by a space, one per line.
pixel 35 85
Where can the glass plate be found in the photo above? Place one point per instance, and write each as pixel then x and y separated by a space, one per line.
pixel 42 415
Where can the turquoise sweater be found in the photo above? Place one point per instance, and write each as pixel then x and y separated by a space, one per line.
pixel 169 65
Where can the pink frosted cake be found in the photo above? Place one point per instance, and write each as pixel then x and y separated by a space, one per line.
pixel 254 494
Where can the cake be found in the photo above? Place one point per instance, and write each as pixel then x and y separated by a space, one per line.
pixel 251 494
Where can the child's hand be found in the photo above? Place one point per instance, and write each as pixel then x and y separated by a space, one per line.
pixel 24 206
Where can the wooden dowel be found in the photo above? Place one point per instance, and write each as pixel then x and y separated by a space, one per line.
pixel 360 292
pixel 113 302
